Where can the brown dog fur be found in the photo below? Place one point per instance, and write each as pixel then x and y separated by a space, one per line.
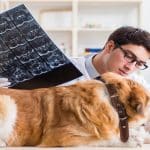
pixel 69 115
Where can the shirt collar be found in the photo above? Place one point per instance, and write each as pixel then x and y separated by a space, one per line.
pixel 89 66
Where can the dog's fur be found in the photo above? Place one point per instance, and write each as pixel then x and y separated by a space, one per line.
pixel 73 115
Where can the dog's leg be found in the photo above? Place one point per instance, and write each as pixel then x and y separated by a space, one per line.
pixel 64 139
pixel 136 139
pixel 137 136
pixel 66 142
pixel 114 142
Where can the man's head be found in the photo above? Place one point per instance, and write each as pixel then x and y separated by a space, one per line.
pixel 126 50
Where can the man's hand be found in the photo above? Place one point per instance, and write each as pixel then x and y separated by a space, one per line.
pixel 4 82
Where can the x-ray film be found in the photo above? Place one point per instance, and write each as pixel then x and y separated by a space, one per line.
pixel 28 57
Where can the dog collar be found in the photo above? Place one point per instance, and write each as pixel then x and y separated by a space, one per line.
pixel 118 105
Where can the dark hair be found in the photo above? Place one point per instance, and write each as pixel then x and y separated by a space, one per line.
pixel 131 35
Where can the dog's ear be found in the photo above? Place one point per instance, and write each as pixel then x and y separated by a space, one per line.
pixel 135 103
pixel 138 96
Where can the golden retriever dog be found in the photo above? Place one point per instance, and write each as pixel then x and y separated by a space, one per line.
pixel 74 115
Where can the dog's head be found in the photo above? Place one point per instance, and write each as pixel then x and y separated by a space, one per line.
pixel 134 96
pixel 88 101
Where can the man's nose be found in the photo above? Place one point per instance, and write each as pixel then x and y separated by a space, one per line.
pixel 130 65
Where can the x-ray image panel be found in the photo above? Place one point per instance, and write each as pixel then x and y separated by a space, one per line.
pixel 28 57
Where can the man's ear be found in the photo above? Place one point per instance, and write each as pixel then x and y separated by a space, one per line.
pixel 109 46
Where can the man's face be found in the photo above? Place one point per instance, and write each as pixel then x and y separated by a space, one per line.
pixel 126 59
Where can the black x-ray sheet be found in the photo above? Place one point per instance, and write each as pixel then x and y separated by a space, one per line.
pixel 28 57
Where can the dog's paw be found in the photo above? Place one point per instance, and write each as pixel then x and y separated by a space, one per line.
pixel 147 138
pixel 2 143
pixel 135 141
pixel 137 137
pixel 147 126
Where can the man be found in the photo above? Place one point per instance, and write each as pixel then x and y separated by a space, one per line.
pixel 126 51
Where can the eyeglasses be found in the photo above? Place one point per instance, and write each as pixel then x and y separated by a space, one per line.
pixel 130 58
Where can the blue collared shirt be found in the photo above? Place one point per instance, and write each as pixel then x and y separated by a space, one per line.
pixel 90 67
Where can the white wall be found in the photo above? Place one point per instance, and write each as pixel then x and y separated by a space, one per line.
pixel 146 25
pixel 145 14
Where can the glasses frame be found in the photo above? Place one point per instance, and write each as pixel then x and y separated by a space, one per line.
pixel 133 59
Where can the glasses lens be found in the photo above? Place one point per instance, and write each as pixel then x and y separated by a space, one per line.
pixel 141 67
pixel 130 58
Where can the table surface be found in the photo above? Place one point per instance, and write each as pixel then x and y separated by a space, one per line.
pixel 144 147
